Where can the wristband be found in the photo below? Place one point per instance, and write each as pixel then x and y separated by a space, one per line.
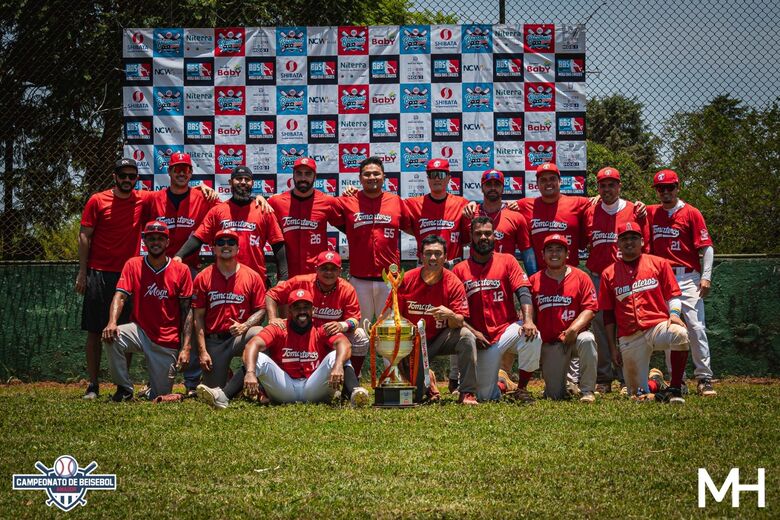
pixel 675 312
pixel 351 324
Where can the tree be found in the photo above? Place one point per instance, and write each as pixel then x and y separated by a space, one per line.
pixel 728 157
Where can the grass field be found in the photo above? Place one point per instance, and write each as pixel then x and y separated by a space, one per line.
pixel 613 459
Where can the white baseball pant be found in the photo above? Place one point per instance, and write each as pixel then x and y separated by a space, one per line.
pixel 371 295
pixel 693 315
pixel 489 360
pixel 637 348
pixel 282 388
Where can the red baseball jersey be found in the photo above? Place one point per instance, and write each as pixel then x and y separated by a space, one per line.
pixel 566 216
pixel 298 355
pixel 557 304
pixel 155 297
pixel 116 225
pixel 490 288
pixel 601 231
pixel 181 221
pixel 444 218
pixel 373 231
pixel 638 292
pixel 339 304
pixel 304 223
pixel 510 230
pixel 678 237
pixel 254 229
pixel 416 299
pixel 227 299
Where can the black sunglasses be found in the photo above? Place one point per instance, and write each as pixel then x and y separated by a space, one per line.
pixel 226 242
pixel 437 174
pixel 666 187
pixel 123 176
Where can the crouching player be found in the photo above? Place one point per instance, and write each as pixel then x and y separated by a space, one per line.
pixel 640 295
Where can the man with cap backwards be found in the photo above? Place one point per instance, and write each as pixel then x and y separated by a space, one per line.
pixel 490 279
pixel 303 214
pixel 228 304
pixel 336 306
pixel 601 223
pixel 565 303
pixel 300 362
pixel 161 318
pixel 680 235
pixel 438 212
pixel 640 296
pixel 252 224
pixel 109 236
pixel 436 295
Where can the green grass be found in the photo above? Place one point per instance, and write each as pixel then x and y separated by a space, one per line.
pixel 614 459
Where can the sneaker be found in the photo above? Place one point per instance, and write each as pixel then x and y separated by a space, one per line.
pixel 623 391
pixel 93 391
pixel 704 388
pixel 191 393
pixel 122 394
pixel 359 398
pixel 604 388
pixel 168 398
pixel 588 397
pixel 509 385
pixel 452 386
pixel 684 388
pixel 658 376
pixel 144 393
pixel 572 388
pixel 671 395
pixel 214 397
pixel 467 398
pixel 523 395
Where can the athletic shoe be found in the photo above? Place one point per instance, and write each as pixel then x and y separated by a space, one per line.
pixel 572 388
pixel 168 398
pixel 359 398
pixel 704 388
pixel 588 397
pixel 144 393
pixel 467 398
pixel 604 388
pixel 452 386
pixel 93 391
pixel 658 376
pixel 509 385
pixel 122 394
pixel 191 393
pixel 684 388
pixel 671 395
pixel 214 397
pixel 522 395
pixel 623 391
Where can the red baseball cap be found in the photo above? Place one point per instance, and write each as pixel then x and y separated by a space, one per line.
pixel 547 167
pixel 306 161
pixel 300 295
pixel 608 173
pixel 327 257
pixel 556 238
pixel 438 165
pixel 156 227
pixel 666 177
pixel 629 227
pixel 492 174
pixel 225 233
pixel 180 158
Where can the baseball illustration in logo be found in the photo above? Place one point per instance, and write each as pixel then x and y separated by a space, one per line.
pixel 351 155
pixel 291 100
pixel 539 38
pixel 415 39
pixel 353 99
pixel 539 97
pixel 538 153
pixel 291 41
pixel 228 157
pixel 168 43
pixel 415 98
pixel 477 97
pixel 230 41
pixel 229 101
pixel 477 38
pixel 353 40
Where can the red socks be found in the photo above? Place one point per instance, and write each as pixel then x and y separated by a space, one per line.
pixel 524 378
pixel 357 364
pixel 678 360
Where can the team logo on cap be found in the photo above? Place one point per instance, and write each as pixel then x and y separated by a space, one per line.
pixel 329 256
pixel 661 176
pixel 299 293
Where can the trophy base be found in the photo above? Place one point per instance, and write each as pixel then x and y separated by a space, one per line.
pixel 394 397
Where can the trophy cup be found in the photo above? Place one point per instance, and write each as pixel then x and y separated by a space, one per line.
pixel 394 338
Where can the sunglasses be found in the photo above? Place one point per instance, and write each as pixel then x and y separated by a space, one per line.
pixel 437 174
pixel 226 242
pixel 666 187
pixel 130 176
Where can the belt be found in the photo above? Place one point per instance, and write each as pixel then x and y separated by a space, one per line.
pixel 222 336
pixel 678 271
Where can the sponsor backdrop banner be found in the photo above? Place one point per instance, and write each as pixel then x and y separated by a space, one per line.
pixel 483 96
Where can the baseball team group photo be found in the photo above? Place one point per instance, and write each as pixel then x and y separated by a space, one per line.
pixel 389 259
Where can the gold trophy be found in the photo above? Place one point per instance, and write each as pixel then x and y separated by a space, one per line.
pixel 394 338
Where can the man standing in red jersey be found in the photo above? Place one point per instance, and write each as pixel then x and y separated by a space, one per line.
pixel 372 220
pixel 436 295
pixel 639 294
pixel 228 304
pixel 490 280
pixel 335 302
pixel 438 213
pixel 161 318
pixel 680 235
pixel 601 223
pixel 253 226
pixel 565 303
pixel 303 214
pixel 109 236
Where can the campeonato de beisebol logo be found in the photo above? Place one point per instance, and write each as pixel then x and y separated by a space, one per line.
pixel 66 483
